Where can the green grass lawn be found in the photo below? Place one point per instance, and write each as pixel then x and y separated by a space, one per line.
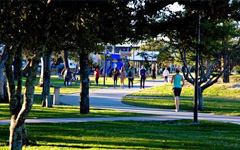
pixel 55 81
pixel 131 135
pixel 215 91
pixel 74 88
pixel 62 111
pixel 218 99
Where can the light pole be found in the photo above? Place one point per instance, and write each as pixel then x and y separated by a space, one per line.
pixel 104 71
pixel 196 85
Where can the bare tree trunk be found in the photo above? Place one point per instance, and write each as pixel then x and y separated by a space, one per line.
pixel 17 121
pixel 46 63
pixel 19 112
pixel 3 94
pixel 3 81
pixel 65 59
pixel 200 101
pixel 26 68
pixel 25 135
pixel 84 86
pixel 15 138
pixel 18 60
pixel 40 83
pixel 65 71
pixel 225 61
pixel 15 66
pixel 19 75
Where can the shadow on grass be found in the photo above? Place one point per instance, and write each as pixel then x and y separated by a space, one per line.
pixel 134 135
pixel 67 146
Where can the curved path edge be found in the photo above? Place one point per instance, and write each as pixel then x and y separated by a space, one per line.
pixel 109 98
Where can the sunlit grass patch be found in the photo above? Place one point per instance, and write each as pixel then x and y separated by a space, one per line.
pixel 218 99
pixel 132 135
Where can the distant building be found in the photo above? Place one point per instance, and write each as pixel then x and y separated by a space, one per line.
pixel 124 51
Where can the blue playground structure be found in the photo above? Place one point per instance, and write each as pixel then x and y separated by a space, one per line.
pixel 112 61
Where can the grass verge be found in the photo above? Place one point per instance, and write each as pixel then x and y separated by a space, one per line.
pixel 61 111
pixel 131 135
pixel 218 99
pixel 74 88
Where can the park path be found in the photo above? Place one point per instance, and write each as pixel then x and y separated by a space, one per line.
pixel 110 98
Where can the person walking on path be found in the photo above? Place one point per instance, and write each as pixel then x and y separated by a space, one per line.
pixel 153 72
pixel 142 75
pixel 166 74
pixel 115 74
pixel 67 77
pixel 96 75
pixel 122 76
pixel 177 87
pixel 130 75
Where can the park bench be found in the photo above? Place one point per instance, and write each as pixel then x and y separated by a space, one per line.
pixel 56 95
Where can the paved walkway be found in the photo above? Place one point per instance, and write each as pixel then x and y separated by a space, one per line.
pixel 109 98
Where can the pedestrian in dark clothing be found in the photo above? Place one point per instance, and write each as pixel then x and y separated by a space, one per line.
pixel 67 77
pixel 153 72
pixel 96 75
pixel 130 75
pixel 115 74
pixel 143 75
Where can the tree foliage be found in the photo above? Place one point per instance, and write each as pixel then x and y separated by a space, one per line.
pixel 215 26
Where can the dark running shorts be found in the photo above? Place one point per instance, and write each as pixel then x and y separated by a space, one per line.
pixel 177 91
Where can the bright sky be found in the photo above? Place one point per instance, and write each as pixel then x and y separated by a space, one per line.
pixel 175 7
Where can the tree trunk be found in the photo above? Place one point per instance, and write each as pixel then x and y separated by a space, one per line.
pixel 3 92
pixel 226 73
pixel 15 66
pixel 15 137
pixel 25 135
pixel 40 83
pixel 84 86
pixel 66 69
pixel 200 100
pixel 46 63
pixel 26 68
pixel 3 81
pixel 19 111
pixel 18 117
pixel 18 61
pixel 1 84
pixel 65 59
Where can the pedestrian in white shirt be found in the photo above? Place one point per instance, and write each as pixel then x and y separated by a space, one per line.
pixel 166 74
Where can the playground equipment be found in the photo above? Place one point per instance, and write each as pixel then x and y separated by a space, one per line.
pixel 112 61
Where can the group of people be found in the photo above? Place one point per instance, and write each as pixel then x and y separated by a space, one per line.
pixel 177 79
pixel 68 76
pixel 130 75
pixel 123 75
